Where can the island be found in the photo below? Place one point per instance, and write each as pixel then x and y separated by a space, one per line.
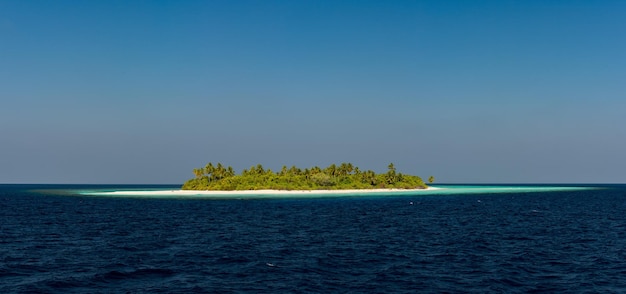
pixel 344 176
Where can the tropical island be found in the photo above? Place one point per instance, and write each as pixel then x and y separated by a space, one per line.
pixel 345 176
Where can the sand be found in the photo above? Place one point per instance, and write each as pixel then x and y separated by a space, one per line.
pixel 260 192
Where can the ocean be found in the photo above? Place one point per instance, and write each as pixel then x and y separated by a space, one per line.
pixel 469 239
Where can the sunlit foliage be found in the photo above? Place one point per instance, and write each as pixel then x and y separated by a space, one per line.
pixel 333 177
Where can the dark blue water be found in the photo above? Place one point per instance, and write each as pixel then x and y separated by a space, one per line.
pixel 569 241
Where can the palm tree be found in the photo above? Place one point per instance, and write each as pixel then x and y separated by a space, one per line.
pixel 332 169
pixel 259 169
pixel 209 169
pixel 391 174
pixel 369 177
pixel 431 179
pixel 294 171
pixel 220 171
pixel 231 171
pixel 316 170
pixel 342 170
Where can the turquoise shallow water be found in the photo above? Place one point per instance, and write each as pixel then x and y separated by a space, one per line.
pixel 463 239
pixel 438 190
pixel 489 189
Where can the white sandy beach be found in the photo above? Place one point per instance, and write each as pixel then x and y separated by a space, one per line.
pixel 260 192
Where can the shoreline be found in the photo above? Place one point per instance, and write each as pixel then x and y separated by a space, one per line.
pixel 260 192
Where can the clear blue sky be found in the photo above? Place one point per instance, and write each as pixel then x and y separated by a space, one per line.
pixel 467 91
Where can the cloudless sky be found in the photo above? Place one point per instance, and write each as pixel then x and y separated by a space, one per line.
pixel 467 91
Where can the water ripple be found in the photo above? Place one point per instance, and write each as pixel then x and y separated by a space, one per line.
pixel 554 241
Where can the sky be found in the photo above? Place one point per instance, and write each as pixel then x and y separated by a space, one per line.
pixel 143 92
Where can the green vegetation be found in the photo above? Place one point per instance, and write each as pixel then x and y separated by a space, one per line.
pixel 334 177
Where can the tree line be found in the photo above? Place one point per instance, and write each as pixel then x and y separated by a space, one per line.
pixel 333 177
